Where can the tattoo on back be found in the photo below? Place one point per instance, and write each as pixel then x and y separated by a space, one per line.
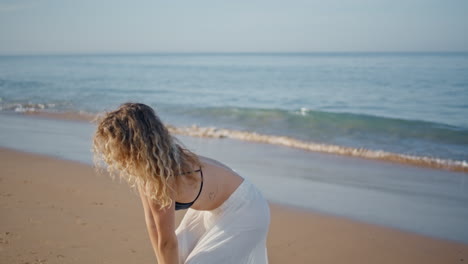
pixel 212 195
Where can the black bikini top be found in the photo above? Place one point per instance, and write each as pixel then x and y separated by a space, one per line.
pixel 182 206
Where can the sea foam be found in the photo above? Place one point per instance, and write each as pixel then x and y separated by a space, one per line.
pixel 213 132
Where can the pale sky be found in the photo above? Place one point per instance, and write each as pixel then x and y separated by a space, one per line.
pixel 110 26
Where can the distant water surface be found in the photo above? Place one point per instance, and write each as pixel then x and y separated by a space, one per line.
pixel 406 103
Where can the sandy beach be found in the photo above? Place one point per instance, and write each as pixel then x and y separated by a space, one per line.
pixel 57 211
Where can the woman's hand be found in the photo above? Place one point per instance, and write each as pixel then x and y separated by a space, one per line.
pixel 160 223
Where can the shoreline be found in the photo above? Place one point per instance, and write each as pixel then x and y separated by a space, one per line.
pixel 420 200
pixel 60 211
pixel 285 141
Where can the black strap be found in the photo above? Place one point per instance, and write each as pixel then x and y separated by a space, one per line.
pixel 201 187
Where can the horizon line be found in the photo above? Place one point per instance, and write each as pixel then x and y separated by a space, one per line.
pixel 91 53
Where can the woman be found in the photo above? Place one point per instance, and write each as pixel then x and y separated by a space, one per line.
pixel 227 219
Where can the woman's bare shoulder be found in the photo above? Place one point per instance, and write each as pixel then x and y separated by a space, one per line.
pixel 213 162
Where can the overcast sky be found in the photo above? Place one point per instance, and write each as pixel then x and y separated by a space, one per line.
pixel 90 26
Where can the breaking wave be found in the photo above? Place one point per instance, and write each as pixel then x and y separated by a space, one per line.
pixel 212 132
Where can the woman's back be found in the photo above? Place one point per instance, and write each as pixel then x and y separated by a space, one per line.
pixel 219 182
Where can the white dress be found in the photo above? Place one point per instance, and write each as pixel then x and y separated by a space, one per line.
pixel 235 232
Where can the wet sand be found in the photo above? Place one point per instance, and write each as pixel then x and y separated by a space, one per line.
pixel 57 211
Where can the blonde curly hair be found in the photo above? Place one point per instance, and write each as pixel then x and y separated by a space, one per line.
pixel 134 144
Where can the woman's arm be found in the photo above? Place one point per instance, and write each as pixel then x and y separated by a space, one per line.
pixel 160 223
pixel 150 225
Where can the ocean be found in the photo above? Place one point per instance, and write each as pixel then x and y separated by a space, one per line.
pixel 400 104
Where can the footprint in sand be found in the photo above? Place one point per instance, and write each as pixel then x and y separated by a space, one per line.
pixel 80 221
pixel 5 237
pixel 34 221
pixel 74 191
pixel 40 261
